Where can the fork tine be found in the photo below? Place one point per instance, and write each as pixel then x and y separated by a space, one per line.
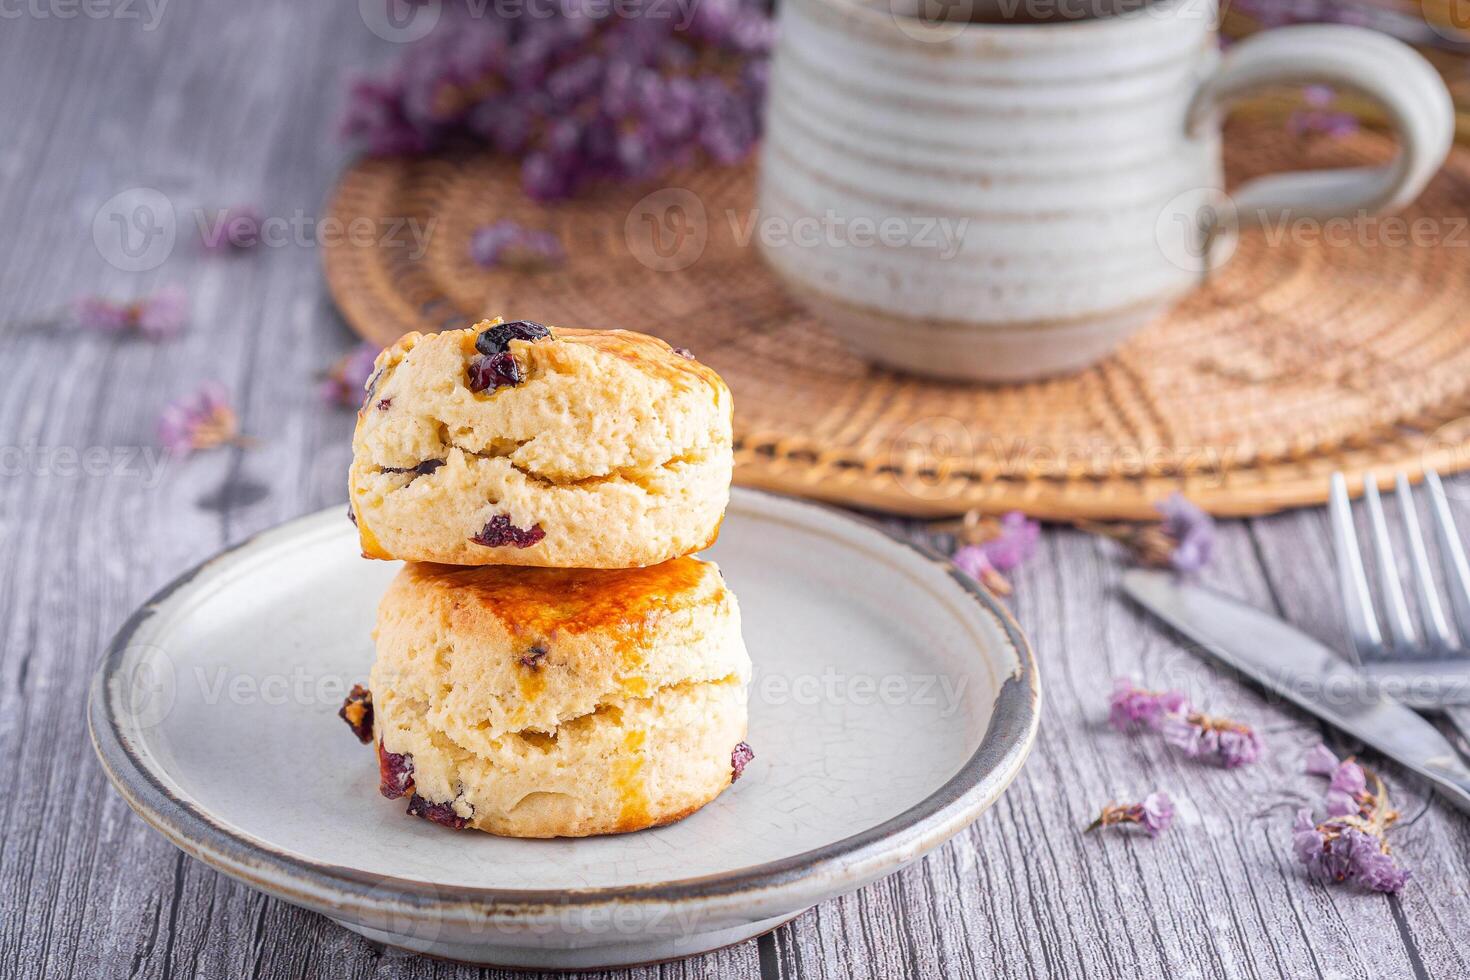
pixel 1431 611
pixel 1356 601
pixel 1395 608
pixel 1451 552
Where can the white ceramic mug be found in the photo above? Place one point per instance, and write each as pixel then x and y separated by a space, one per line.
pixel 1003 201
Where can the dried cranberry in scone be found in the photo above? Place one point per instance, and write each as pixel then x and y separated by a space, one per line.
pixel 357 711
pixel 496 339
pixel 491 371
pixel 395 773
pixel 440 813
pixel 499 532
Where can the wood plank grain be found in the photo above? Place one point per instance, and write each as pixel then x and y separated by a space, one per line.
pixel 225 103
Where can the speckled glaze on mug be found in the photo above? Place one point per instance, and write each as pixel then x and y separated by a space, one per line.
pixel 1076 165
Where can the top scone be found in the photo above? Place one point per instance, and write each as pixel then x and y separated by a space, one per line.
pixel 508 444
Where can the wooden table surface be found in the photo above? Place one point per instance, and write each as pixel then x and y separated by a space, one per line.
pixel 214 103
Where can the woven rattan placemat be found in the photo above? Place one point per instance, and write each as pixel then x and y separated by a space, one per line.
pixel 1298 358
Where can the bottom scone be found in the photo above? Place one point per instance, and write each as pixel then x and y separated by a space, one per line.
pixel 536 702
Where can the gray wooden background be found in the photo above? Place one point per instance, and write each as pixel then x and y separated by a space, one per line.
pixel 217 102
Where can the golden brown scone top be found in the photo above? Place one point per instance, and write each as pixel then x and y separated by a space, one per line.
pixel 543 601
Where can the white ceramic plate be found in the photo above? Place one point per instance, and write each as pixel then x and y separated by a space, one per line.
pixel 892 702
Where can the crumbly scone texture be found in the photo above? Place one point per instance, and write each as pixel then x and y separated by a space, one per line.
pixel 562 702
pixel 614 451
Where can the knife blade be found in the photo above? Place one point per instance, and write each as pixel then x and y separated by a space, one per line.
pixel 1302 670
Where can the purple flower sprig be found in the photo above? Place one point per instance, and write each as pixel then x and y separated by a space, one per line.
pixel 1182 539
pixel 160 316
pixel 1132 709
pixel 507 243
pixel 201 420
pixel 994 547
pixel 578 93
pixel 345 382
pixel 1351 845
pixel 1201 736
pixel 1154 814
pixel 1227 743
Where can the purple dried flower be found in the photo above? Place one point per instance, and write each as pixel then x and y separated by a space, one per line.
pixel 157 317
pixel 1191 531
pixel 201 420
pixel 1133 708
pixel 1320 761
pixel 347 379
pixel 1349 778
pixel 1351 844
pixel 1340 804
pixel 1015 543
pixel 506 243
pixel 1154 814
pixel 1220 740
pixel 100 315
pixel 1005 544
pixel 1346 849
pixel 234 228
pixel 579 92
pixel 1183 539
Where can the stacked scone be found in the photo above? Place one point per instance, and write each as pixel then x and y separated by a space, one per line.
pixel 604 689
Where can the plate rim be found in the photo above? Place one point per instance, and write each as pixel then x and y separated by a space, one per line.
pixel 882 848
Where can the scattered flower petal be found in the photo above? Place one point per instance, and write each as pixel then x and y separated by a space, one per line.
pixel 974 562
pixel 1349 778
pixel 1154 814
pixel 1219 740
pixel 158 317
pixel 1183 539
pixel 201 420
pixel 347 380
pixel 995 547
pixel 1320 761
pixel 1191 531
pixel 1133 708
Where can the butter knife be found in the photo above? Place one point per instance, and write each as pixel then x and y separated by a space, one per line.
pixel 1292 664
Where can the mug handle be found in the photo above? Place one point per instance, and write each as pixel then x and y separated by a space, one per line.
pixel 1387 71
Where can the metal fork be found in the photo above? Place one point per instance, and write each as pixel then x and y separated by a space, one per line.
pixel 1428 670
